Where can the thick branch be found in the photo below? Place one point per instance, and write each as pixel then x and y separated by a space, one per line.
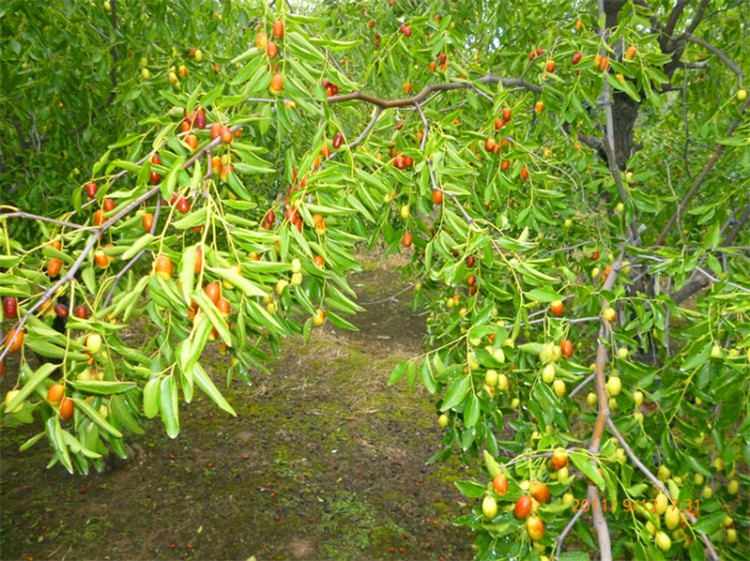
pixel 698 17
pixel 421 96
pixel 674 17
pixel 694 284
pixel 718 151
pixel 591 141
pixel 600 525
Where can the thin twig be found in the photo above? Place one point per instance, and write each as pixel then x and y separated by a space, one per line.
pixel 367 129
pixel 22 214
pixel 583 384
pixel 717 153
pixel 568 527
pixel 658 484
pixel 534 155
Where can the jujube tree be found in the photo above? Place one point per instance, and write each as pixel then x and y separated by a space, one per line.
pixel 571 186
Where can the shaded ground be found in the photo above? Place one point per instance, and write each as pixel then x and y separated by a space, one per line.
pixel 323 462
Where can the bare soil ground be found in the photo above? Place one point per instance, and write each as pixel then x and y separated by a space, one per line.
pixel 323 462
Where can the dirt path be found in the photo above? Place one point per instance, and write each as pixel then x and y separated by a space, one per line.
pixel 323 462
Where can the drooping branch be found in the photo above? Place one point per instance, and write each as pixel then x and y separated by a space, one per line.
pixel 717 153
pixel 96 236
pixel 728 62
pixel 134 260
pixel 469 219
pixel 658 484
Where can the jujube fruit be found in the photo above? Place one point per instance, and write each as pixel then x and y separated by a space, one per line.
pixel 213 291
pixel 17 344
pixel 10 307
pixel 500 483
pixel 66 408
pixel 556 308
pixel 163 267
pixel 535 528
pixel 55 393
pixel 539 491
pixel 523 507
pixel 148 221
pixel 54 267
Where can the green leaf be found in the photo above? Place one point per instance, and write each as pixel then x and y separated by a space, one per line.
pixel 397 373
pixel 138 245
pixel 54 434
pixel 493 468
pixel 573 556
pixel 583 463
pixel 213 315
pixel 425 373
pixel 94 415
pixel 239 281
pixel 102 387
pixel 207 386
pixel 542 295
pixel 76 447
pixel 457 392
pixel 709 523
pixel 41 374
pixel 151 397
pixel 697 357
pixel 471 489
pixel 168 406
pixel 30 442
pixel 167 186
pixel 471 412
pixel 187 271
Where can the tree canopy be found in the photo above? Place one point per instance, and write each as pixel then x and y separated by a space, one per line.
pixel 569 180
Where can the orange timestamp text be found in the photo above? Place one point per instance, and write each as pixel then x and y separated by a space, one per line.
pixel 628 505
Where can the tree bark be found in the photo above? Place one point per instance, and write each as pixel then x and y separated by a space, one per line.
pixel 624 114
